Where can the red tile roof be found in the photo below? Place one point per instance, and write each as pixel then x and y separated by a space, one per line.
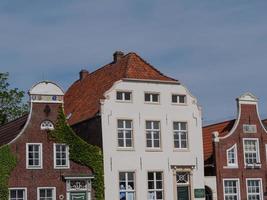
pixel 223 128
pixel 10 130
pixel 82 100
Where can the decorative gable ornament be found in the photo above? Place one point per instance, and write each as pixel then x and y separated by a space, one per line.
pixel 247 97
pixel 46 92
pixel 47 125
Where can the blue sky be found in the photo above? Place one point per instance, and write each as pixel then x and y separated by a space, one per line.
pixel 216 48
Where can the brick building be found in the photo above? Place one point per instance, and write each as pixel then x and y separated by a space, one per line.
pixel 44 170
pixel 148 125
pixel 235 154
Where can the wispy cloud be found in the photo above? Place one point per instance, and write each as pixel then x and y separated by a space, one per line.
pixel 216 48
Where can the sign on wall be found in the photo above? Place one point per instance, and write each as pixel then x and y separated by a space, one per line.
pixel 199 193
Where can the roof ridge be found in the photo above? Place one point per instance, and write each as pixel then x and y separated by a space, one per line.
pixel 150 65
pixel 22 116
pixel 217 123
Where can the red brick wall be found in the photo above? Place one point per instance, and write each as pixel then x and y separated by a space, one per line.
pixel 48 176
pixel 248 116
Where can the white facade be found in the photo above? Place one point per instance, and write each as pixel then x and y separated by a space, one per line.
pixel 141 159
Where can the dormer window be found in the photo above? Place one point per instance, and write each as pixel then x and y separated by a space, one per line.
pixel 232 156
pixel 124 96
pixel 47 125
pixel 151 97
pixel 178 99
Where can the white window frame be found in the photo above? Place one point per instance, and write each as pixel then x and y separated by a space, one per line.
pixel 18 188
pixel 47 125
pixel 178 99
pixel 261 191
pixel 123 96
pixel 67 166
pixel 179 131
pixel 237 185
pixel 235 164
pixel 151 97
pixel 257 152
pixel 53 194
pixel 124 129
pixel 40 166
pixel 126 182
pixel 152 130
pixel 249 128
pixel 154 182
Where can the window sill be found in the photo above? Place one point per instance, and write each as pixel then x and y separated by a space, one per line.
pixel 231 167
pixel 125 149
pixel 124 101
pixel 154 150
pixel 181 150
pixel 152 103
pixel 179 104
pixel 34 168
pixel 65 167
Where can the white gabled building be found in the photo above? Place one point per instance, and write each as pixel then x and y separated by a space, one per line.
pixel 148 125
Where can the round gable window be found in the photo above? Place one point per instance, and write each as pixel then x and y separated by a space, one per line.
pixel 47 125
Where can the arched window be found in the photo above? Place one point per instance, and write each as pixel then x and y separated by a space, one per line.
pixel 208 193
pixel 47 125
pixel 232 156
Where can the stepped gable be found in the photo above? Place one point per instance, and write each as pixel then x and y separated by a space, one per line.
pixel 10 130
pixel 82 100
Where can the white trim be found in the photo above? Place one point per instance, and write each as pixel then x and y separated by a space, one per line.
pixel 53 194
pixel 40 156
pixel 24 127
pixel 235 154
pixel 67 166
pixel 238 186
pixel 257 151
pixel 78 177
pixel 18 188
pixel 261 190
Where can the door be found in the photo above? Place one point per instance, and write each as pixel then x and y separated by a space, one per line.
pixel 183 193
pixel 78 196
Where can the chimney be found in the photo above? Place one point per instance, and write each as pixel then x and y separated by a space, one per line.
pixel 83 73
pixel 117 56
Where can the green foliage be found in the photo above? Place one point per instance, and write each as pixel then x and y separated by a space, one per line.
pixel 11 105
pixel 8 162
pixel 81 152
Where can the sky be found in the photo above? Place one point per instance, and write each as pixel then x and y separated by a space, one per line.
pixel 216 48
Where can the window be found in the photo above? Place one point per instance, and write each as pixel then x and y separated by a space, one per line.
pixel 232 156
pixel 46 193
pixel 155 186
pixel 180 135
pixel 61 156
pixel 152 97
pixel 178 99
pixel 125 133
pixel 231 189
pixel 254 189
pixel 251 151
pixel 153 134
pixel 248 128
pixel 127 186
pixel 34 156
pixel 124 96
pixel 47 125
pixel 17 194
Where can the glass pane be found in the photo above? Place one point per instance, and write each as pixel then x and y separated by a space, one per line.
pixel 150 185
pixel 159 195
pixel 175 125
pixel 155 97
pixel 130 176
pixel 174 98
pixel 127 96
pixel 128 123
pixel 148 125
pixel 150 176
pixel 128 142
pixel 182 99
pixel 156 143
pixel 147 97
pixel 156 125
pixel 120 123
pixel 183 125
pixel 119 95
pixel 13 193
